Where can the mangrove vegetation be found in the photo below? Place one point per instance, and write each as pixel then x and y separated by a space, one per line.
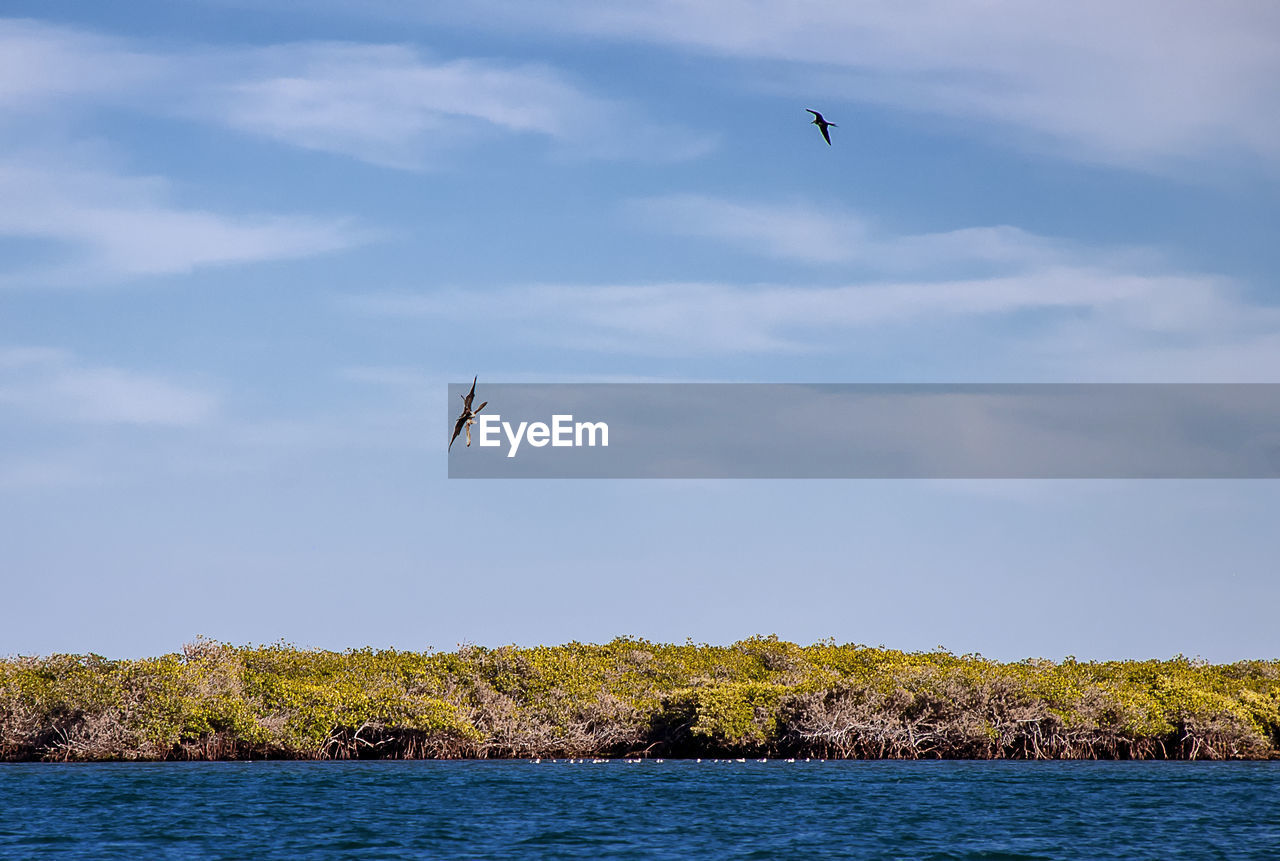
pixel 629 697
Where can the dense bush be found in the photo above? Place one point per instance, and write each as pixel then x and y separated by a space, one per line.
pixel 761 696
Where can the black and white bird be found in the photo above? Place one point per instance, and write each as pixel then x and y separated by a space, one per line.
pixel 468 417
pixel 822 125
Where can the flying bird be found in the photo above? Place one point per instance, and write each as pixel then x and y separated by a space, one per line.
pixel 822 125
pixel 468 416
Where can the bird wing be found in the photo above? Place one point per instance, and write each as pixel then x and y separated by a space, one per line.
pixel 466 400
pixel 479 408
pixel 457 428
pixel 815 113
pixel 826 137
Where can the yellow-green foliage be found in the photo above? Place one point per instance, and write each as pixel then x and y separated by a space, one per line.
pixel 305 696
pixel 629 696
pixel 735 714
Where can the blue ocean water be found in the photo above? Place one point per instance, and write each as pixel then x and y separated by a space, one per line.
pixel 671 809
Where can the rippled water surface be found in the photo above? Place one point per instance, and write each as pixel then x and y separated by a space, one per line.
pixel 672 809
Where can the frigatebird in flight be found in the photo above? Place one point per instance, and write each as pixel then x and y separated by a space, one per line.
pixel 822 125
pixel 468 416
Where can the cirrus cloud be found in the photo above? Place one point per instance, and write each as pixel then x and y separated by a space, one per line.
pixel 386 104
pixel 53 385
pixel 1135 82
pixel 118 227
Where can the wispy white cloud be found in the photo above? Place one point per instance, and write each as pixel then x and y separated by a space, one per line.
pixel 1082 313
pixel 390 105
pixel 118 226
pixel 675 318
pixel 52 385
pixel 799 231
pixel 109 224
pixel 76 423
pixel 1134 82
pixel 40 63
pixel 386 104
pixel 1106 313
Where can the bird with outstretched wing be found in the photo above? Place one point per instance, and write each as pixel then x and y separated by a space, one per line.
pixel 822 125
pixel 468 416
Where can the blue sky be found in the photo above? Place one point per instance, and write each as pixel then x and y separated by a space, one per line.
pixel 245 246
